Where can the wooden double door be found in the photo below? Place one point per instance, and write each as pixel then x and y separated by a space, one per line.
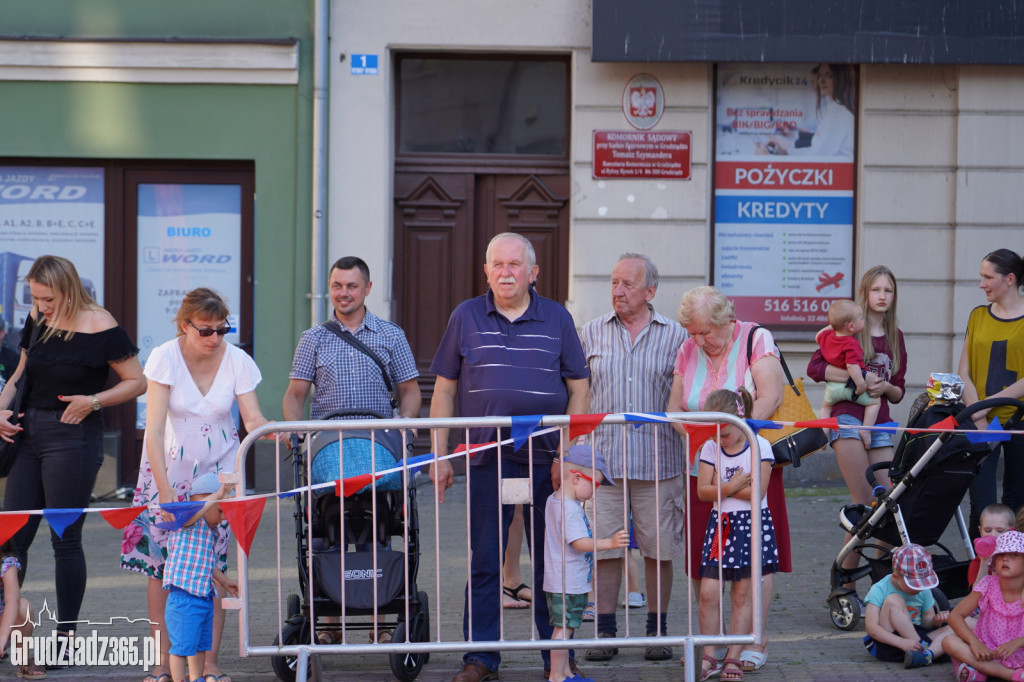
pixel 443 222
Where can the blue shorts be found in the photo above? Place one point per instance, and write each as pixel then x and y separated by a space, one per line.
pixel 879 439
pixel 189 622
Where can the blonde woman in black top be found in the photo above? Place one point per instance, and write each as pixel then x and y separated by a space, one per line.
pixel 67 369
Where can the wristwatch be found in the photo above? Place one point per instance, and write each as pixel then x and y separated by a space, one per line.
pixel 95 403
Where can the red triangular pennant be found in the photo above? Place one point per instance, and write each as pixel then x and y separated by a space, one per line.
pixel 11 523
pixel 473 446
pixel 947 424
pixel 829 423
pixel 582 424
pixel 699 434
pixel 244 518
pixel 350 486
pixel 120 518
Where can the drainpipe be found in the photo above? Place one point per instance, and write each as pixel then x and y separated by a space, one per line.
pixel 321 74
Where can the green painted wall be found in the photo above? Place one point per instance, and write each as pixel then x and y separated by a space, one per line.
pixel 268 124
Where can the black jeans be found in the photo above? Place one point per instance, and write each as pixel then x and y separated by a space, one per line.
pixel 984 488
pixel 56 468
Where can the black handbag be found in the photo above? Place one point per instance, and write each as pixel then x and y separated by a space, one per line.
pixel 8 451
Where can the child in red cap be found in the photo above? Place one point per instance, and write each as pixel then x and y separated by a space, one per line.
pixel 902 621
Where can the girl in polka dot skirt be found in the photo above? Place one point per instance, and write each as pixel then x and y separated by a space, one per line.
pixel 995 648
pixel 724 479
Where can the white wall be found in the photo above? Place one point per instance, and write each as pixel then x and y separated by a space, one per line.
pixel 940 168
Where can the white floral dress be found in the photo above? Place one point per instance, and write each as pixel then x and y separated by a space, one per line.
pixel 200 437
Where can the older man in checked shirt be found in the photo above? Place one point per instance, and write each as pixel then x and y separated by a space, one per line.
pixel 631 352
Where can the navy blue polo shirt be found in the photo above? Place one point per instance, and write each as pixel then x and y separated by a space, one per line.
pixel 508 368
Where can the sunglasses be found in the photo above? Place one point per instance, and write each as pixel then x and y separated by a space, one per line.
pixel 595 483
pixel 219 331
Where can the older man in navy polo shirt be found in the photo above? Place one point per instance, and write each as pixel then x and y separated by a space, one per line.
pixel 508 352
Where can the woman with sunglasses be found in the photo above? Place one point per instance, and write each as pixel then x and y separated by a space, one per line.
pixel 68 347
pixel 194 380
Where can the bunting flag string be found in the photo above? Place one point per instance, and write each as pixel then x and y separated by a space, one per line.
pixel 244 513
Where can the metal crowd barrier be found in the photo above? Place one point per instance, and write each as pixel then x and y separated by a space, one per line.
pixel 299 653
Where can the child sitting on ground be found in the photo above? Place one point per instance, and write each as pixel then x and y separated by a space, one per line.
pixel 189 575
pixel 724 479
pixel 994 647
pixel 840 348
pixel 569 539
pixel 995 520
pixel 15 614
pixel 901 619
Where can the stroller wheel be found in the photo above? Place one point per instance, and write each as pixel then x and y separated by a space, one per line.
pixel 845 611
pixel 292 606
pixel 406 666
pixel 295 630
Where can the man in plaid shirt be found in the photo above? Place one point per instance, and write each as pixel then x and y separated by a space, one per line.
pixel 189 575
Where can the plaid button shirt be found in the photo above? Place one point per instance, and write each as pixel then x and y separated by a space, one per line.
pixel 190 559
pixel 345 378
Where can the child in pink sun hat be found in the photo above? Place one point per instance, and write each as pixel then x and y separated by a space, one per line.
pixel 996 645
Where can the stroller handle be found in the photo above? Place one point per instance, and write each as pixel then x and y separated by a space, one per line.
pixel 963 417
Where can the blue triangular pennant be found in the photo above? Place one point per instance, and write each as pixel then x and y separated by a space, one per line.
pixel 182 511
pixel 993 433
pixel 522 427
pixel 758 424
pixel 60 519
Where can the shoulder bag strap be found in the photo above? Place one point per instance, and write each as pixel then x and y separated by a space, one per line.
pixel 350 339
pixel 21 387
pixel 782 359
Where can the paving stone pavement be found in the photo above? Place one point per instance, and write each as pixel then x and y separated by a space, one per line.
pixel 804 646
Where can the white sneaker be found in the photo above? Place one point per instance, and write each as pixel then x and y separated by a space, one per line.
pixel 636 600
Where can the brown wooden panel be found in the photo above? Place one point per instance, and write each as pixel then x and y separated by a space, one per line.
pixel 433 216
pixel 537 208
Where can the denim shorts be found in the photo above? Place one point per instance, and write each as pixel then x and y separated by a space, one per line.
pixel 879 439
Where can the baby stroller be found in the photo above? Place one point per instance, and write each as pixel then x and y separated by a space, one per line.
pixel 345 536
pixel 930 474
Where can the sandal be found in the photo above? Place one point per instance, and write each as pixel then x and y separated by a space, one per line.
pixel 382 637
pixel 513 592
pixel 330 637
pixel 753 660
pixel 32 671
pixel 965 673
pixel 732 675
pixel 711 671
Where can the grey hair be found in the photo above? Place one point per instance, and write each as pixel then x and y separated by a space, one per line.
pixel 531 255
pixel 651 277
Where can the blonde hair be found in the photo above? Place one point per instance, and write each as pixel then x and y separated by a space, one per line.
pixel 706 303
pixel 201 302
pixel 890 325
pixel 71 298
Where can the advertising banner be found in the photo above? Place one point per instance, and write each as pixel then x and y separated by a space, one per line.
pixel 784 190
pixel 190 236
pixel 44 210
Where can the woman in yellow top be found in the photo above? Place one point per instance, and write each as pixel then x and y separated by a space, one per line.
pixel 992 366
